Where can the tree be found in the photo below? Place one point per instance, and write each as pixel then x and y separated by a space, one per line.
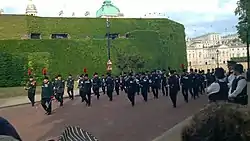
pixel 243 27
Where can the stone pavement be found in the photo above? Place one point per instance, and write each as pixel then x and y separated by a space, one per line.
pixel 108 121
pixel 21 100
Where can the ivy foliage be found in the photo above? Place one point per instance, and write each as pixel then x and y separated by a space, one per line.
pixel 12 70
pixel 153 44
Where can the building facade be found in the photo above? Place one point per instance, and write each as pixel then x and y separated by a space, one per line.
pixel 212 50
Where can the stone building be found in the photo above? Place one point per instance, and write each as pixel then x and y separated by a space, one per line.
pixel 31 9
pixel 212 50
pixel 109 10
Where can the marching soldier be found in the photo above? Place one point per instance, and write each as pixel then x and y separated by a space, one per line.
pixel 184 85
pixel 47 95
pixel 164 83
pixel 173 87
pixel 96 82
pixel 70 87
pixel 155 84
pixel 110 86
pixel 103 84
pixel 59 86
pixel 31 88
pixel 191 78
pixel 117 84
pixel 137 79
pixel 144 83
pixel 87 90
pixel 122 81
pixel 131 88
pixel 81 87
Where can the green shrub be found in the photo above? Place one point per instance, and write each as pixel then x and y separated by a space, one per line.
pixel 219 122
pixel 12 70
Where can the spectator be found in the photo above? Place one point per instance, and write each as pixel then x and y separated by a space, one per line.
pixel 7 129
pixel 218 90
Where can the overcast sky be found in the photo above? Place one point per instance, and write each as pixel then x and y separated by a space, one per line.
pixel 198 16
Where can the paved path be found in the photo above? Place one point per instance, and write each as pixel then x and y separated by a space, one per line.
pixel 109 121
pixel 21 100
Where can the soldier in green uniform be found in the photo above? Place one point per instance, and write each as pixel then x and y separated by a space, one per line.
pixel 31 88
pixel 59 86
pixel 46 95
pixel 70 87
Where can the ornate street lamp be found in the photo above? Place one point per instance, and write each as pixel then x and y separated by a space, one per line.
pixel 217 58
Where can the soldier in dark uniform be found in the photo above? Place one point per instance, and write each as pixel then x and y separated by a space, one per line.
pixel 164 83
pixel 137 79
pixel 53 85
pixel 173 87
pixel 59 86
pixel 144 83
pixel 191 83
pixel 103 84
pixel 196 84
pixel 70 87
pixel 184 85
pixel 46 95
pixel 31 88
pixel 110 86
pixel 81 87
pixel 87 90
pixel 122 81
pixel 117 84
pixel 96 82
pixel 155 84
pixel 131 88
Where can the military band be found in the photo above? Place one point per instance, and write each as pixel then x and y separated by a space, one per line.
pixel 192 84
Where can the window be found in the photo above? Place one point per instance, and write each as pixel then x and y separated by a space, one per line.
pixel 35 36
pixel 59 36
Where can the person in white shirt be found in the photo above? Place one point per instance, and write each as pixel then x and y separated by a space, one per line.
pixel 218 90
pixel 230 75
pixel 238 90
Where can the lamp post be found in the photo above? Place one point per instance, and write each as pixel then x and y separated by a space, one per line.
pixel 109 63
pixel 217 58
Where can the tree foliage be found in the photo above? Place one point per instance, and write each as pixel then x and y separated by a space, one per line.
pixel 243 13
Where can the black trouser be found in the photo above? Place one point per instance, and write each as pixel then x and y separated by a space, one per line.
pixel 110 94
pixel 117 90
pixel 31 96
pixel 149 88
pixel 122 87
pixel 196 91
pixel 164 89
pixel 185 93
pixel 70 92
pixel 103 89
pixel 59 97
pixel 47 104
pixel 144 93
pixel 173 96
pixel 155 91
pixel 86 96
pixel 131 97
pixel 96 92
pixel 190 89
pixel 81 93
pixel 138 89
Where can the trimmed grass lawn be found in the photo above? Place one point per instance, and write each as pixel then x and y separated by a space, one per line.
pixel 19 91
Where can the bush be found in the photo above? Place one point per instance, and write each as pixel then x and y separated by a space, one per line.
pixel 12 70
pixel 219 122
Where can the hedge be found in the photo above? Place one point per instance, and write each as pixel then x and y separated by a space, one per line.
pixel 13 68
pixel 157 43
